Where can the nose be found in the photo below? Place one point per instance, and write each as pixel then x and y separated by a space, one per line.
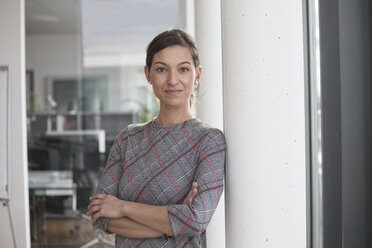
pixel 172 77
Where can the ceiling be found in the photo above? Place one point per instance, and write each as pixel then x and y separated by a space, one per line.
pixel 104 22
pixel 45 17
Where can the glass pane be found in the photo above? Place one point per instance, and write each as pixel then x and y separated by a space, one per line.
pixel 84 61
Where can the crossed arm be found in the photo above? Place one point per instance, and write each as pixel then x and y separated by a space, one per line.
pixel 137 220
pixel 132 219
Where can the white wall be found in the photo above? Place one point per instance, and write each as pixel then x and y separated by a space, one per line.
pixel 264 121
pixel 61 56
pixel 52 56
pixel 12 54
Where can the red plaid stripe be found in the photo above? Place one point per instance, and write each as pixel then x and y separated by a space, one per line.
pixel 128 173
pixel 185 223
pixel 174 161
pixel 162 164
pixel 187 242
pixel 205 156
pixel 146 152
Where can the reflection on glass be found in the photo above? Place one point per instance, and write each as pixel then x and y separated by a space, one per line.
pixel 85 60
pixel 316 124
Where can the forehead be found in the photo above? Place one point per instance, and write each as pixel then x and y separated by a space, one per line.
pixel 173 54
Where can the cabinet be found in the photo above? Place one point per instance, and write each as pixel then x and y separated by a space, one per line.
pixel 77 142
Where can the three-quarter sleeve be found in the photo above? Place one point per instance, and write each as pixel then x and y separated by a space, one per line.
pixel 193 220
pixel 109 181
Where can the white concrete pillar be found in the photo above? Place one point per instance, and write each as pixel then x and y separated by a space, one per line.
pixel 264 123
pixel 210 108
pixel 188 6
pixel 208 38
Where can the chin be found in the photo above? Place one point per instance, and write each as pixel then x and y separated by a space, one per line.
pixel 174 103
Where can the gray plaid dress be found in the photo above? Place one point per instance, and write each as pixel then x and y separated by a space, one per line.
pixel 157 165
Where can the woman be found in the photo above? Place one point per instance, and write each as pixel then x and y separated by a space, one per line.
pixel 163 178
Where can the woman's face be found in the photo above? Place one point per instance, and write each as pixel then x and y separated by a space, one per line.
pixel 173 76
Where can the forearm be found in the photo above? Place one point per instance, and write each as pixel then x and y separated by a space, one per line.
pixel 155 217
pixel 109 206
pixel 128 228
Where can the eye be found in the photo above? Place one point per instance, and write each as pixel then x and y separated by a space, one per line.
pixel 160 69
pixel 184 69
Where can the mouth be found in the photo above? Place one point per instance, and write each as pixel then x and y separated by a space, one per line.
pixel 173 92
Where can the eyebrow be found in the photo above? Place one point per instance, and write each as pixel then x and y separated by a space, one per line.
pixel 162 63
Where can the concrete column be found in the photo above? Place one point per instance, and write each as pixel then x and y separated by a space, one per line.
pixel 188 7
pixel 208 37
pixel 264 123
pixel 210 109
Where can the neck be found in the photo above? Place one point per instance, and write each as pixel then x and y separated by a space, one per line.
pixel 168 117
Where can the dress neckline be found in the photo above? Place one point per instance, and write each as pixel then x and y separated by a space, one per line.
pixel 153 124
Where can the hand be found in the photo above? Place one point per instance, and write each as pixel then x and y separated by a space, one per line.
pixel 102 205
pixel 191 195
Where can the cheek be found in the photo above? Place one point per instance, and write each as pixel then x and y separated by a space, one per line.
pixel 192 81
pixel 156 88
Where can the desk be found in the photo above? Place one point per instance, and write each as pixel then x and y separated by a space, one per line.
pixel 100 133
pixel 48 183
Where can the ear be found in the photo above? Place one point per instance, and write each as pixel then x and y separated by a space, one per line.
pixel 147 73
pixel 198 74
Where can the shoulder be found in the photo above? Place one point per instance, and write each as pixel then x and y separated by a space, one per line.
pixel 134 128
pixel 210 133
pixel 131 130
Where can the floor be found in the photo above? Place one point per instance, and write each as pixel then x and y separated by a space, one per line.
pixel 67 232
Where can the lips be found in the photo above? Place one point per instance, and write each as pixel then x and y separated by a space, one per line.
pixel 173 92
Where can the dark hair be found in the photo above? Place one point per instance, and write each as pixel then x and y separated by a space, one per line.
pixel 169 38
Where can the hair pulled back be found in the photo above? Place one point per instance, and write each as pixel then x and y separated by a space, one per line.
pixel 169 38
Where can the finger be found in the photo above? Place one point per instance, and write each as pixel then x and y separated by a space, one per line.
pixel 192 196
pixel 193 190
pixel 190 193
pixel 96 217
pixel 187 199
pixel 195 184
pixel 193 193
pixel 93 210
pixel 97 196
pixel 193 187
pixel 95 203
